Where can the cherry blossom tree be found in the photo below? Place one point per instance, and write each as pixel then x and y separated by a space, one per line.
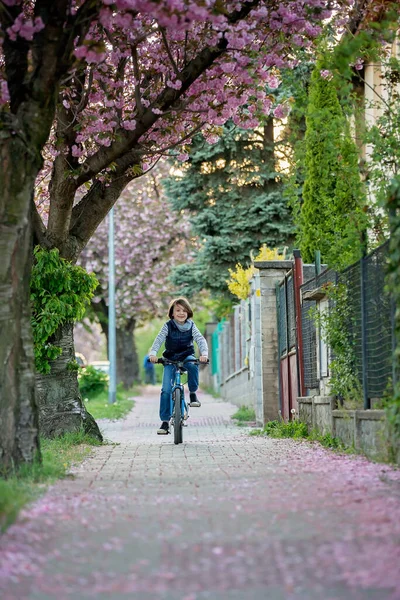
pixel 149 241
pixel 114 85
pixel 37 51
pixel 150 77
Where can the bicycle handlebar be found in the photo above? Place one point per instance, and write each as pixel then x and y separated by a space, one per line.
pixel 167 361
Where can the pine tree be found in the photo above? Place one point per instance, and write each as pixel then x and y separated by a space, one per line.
pixel 232 193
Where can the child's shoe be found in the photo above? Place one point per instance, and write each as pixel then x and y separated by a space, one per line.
pixel 164 428
pixel 194 401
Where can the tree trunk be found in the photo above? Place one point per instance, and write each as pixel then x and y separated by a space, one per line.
pixel 19 440
pixel 61 409
pixel 127 358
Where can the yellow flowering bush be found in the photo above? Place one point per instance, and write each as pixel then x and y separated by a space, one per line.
pixel 239 281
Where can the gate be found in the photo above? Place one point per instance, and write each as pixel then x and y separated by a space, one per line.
pixel 287 345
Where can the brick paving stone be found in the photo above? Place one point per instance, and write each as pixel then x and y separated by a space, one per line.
pixel 223 516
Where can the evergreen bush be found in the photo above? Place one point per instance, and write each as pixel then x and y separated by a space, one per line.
pixel 332 216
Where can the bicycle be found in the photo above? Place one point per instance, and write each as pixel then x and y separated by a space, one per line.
pixel 180 408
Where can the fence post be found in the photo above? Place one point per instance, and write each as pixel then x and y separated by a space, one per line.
pixel 298 281
pixel 317 264
pixel 364 352
pixel 278 328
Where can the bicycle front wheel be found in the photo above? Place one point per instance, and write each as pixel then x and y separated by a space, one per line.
pixel 177 417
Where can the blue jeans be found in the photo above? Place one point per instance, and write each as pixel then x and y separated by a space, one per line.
pixel 168 382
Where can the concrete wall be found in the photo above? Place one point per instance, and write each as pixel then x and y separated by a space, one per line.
pixel 316 412
pixel 365 430
pixel 239 389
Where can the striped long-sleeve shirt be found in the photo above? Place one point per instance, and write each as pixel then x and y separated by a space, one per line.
pixel 197 337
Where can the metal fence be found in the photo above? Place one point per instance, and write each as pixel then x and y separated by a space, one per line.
pixel 369 325
pixel 282 319
pixel 286 315
pixel 310 366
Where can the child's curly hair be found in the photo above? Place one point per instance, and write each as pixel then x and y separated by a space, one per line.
pixel 183 302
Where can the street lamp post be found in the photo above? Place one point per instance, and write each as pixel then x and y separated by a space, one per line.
pixel 112 346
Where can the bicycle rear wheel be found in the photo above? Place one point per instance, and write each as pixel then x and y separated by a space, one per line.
pixel 177 417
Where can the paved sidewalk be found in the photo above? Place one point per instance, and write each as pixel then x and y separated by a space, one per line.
pixel 224 516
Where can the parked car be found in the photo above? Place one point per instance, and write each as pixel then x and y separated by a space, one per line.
pixel 101 365
pixel 80 359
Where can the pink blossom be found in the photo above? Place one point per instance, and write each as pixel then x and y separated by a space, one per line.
pixel 273 82
pixel 326 74
pixel 76 151
pixel 80 51
pixel 176 85
pixel 281 111
pixel 359 64
pixel 4 93
pixel 130 125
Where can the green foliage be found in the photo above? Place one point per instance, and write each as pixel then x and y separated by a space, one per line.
pixel 100 408
pixel 144 337
pixel 297 430
pixel 296 82
pixel 332 218
pixel 60 293
pixel 244 413
pixel 367 46
pixel 13 496
pixel 26 484
pixel 219 307
pixel 92 381
pixel 335 326
pixel 393 407
pixel 232 194
pixel 384 140
pixel 280 429
pixel 383 167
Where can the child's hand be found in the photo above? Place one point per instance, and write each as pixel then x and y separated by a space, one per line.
pixel 203 359
pixel 153 359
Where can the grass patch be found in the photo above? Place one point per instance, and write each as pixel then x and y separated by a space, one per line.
pixel 99 407
pixel 298 430
pixel 244 414
pixel 30 481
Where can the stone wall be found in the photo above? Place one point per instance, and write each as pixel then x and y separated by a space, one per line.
pixel 364 430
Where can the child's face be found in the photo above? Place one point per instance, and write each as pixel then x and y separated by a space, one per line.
pixel 179 313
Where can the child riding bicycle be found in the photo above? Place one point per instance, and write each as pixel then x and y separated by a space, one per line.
pixel 178 333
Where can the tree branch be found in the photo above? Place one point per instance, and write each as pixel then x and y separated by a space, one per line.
pixel 127 140
pixel 169 53
pixel 15 57
pixel 91 210
pixel 39 228
pixel 136 71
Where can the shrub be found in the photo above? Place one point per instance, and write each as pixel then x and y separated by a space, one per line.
pixel 92 381
pixel 60 293
pixel 244 413
pixel 294 429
